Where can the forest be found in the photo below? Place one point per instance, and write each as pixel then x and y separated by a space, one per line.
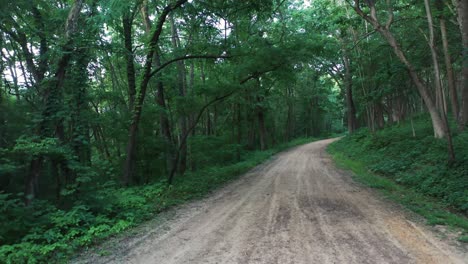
pixel 112 111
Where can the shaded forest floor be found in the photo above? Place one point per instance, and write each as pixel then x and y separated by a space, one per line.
pixel 412 170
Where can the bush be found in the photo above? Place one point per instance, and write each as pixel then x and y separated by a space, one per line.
pixel 419 162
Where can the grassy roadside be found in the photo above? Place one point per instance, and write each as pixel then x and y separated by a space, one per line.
pixel 53 235
pixel 435 209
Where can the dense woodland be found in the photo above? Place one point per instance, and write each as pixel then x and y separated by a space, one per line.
pixel 111 111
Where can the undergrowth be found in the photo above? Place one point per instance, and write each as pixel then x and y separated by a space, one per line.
pixel 43 233
pixel 412 170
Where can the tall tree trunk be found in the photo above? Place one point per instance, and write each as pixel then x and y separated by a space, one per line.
pixel 251 135
pixel 127 22
pixel 164 124
pixel 462 10
pixel 191 85
pixel 261 124
pixel 435 61
pixel 182 88
pixel 378 115
pixel 239 131
pixel 351 109
pixel 208 117
pixel 163 118
pixel 438 84
pixel 2 111
pixel 448 63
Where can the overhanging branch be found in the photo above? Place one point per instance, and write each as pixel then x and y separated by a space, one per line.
pixel 167 63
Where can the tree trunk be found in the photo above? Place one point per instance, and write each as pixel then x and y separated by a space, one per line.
pixel 239 131
pixel 191 85
pixel 378 115
pixel 129 168
pixel 164 124
pixel 127 22
pixel 182 88
pixel 351 109
pixel 448 64
pixel 462 10
pixel 261 125
pixel 435 61
pixel 290 115
pixel 251 135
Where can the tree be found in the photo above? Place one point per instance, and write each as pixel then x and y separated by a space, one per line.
pixel 440 128
pixel 128 172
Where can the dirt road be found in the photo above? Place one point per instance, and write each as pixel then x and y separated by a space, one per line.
pixel 296 208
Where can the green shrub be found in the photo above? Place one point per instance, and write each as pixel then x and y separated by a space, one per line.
pixel 419 162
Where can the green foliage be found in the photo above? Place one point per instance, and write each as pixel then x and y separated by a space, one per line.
pixel 212 151
pixel 411 170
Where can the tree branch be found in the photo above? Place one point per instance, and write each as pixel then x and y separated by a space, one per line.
pixel 187 57
pixel 390 15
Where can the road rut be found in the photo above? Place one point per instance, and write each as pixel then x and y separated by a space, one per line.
pixel 296 208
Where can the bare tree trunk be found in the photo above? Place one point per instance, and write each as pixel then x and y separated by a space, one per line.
pixel 251 125
pixel 239 131
pixel 181 83
pixel 448 64
pixel 208 117
pixel 261 125
pixel 435 61
pixel 290 116
pixel 378 115
pixel 127 22
pixel 351 109
pixel 191 85
pixel 164 124
pixel 462 10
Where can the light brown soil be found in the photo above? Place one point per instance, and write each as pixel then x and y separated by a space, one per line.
pixel 296 208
